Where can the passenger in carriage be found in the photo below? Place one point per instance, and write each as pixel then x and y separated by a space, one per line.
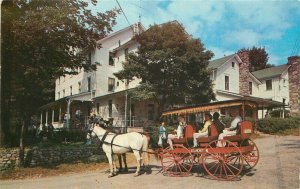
pixel 204 131
pixel 233 126
pixel 179 132
pixel 218 123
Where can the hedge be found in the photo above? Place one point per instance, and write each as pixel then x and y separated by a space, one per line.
pixel 277 125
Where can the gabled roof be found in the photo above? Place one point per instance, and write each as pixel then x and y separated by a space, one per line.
pixel 270 72
pixel 219 62
pixel 131 27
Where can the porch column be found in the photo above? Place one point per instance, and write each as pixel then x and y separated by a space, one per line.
pixel 68 113
pixel 130 112
pixel 59 117
pixel 41 124
pixel 52 115
pixel 46 117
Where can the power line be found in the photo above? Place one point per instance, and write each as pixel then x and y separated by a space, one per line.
pixel 124 13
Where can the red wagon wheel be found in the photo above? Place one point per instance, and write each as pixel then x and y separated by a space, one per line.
pixel 222 160
pixel 177 162
pixel 250 157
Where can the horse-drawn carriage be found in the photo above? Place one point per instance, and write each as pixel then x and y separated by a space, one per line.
pixel 222 159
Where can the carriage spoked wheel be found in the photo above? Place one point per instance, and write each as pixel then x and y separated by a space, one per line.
pixel 250 157
pixel 222 160
pixel 177 162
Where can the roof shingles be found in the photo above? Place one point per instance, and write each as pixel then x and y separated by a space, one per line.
pixel 270 72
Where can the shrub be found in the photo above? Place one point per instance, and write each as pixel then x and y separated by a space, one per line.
pixel 277 125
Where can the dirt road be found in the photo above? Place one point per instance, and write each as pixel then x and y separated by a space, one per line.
pixel 278 168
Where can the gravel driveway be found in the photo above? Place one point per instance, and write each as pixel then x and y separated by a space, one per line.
pixel 278 168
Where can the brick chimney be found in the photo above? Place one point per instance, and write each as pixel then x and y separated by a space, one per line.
pixel 244 72
pixel 294 84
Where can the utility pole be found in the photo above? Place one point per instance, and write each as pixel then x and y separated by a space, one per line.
pixel 126 97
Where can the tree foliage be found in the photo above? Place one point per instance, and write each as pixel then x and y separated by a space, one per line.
pixel 258 58
pixel 172 66
pixel 41 40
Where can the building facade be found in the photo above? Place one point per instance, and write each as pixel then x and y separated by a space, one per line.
pixel 101 92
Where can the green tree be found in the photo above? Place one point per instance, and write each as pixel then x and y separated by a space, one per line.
pixel 41 40
pixel 258 58
pixel 172 67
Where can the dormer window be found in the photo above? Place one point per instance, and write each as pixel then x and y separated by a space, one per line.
pixel 232 64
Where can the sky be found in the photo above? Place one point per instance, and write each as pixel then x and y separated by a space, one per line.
pixel 224 27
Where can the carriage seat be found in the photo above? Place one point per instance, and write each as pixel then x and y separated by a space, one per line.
pixel 188 132
pixel 244 131
pixel 212 135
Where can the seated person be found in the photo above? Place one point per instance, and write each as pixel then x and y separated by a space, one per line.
pixel 204 131
pixel 233 126
pixel 179 132
pixel 218 123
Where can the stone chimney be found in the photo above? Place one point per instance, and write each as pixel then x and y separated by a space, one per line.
pixel 244 72
pixel 294 84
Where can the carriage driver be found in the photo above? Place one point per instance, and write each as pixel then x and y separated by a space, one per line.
pixel 179 132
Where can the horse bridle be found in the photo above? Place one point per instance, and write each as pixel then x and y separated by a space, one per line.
pixel 103 137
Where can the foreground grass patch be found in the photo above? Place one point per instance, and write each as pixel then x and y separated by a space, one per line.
pixel 39 172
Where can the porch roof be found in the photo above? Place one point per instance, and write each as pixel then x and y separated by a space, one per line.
pixel 253 102
pixel 81 97
pixel 113 94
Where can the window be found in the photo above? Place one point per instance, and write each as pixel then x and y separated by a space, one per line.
pixel 269 84
pixel 89 84
pixel 79 87
pixel 111 61
pixel 126 53
pixel 111 84
pixel 64 93
pixel 226 83
pixel 213 75
pixel 150 111
pixel 119 43
pixel 110 108
pixel 98 108
pixel 250 88
pixel 283 100
pixel 58 94
pixel 71 90
pixel 284 82
pixel 232 64
pixel 117 83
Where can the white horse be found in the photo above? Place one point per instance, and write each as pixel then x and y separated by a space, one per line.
pixel 120 144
